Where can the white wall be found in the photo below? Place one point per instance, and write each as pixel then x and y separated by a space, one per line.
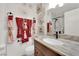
pixel 18 10
pixel 72 22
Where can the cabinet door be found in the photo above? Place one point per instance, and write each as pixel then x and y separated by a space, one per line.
pixel 44 51
pixel 38 52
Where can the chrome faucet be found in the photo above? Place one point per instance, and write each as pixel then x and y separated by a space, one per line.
pixel 56 28
pixel 56 32
pixel 56 35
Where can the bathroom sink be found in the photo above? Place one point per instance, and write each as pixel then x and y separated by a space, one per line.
pixel 53 41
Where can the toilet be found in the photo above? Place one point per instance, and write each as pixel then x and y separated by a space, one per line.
pixel 29 50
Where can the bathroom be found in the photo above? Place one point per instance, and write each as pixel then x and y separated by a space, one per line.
pixel 54 30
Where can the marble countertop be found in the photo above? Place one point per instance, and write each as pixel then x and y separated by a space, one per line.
pixel 69 48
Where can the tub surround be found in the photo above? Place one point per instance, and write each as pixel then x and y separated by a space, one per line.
pixel 69 48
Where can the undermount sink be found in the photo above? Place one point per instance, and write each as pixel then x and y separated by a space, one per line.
pixel 53 41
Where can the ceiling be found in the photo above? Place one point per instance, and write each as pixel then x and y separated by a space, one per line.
pixel 59 11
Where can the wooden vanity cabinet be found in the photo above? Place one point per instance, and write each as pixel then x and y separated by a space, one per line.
pixel 41 50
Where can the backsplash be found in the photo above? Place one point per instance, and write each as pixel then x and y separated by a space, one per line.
pixel 69 37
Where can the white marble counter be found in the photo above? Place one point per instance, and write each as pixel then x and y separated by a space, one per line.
pixel 69 48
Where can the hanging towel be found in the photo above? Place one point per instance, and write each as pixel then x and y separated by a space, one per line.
pixel 29 24
pixel 25 32
pixel 10 17
pixel 24 36
pixel 19 22
pixel 10 24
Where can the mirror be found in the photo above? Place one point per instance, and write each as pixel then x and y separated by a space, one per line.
pixel 68 19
